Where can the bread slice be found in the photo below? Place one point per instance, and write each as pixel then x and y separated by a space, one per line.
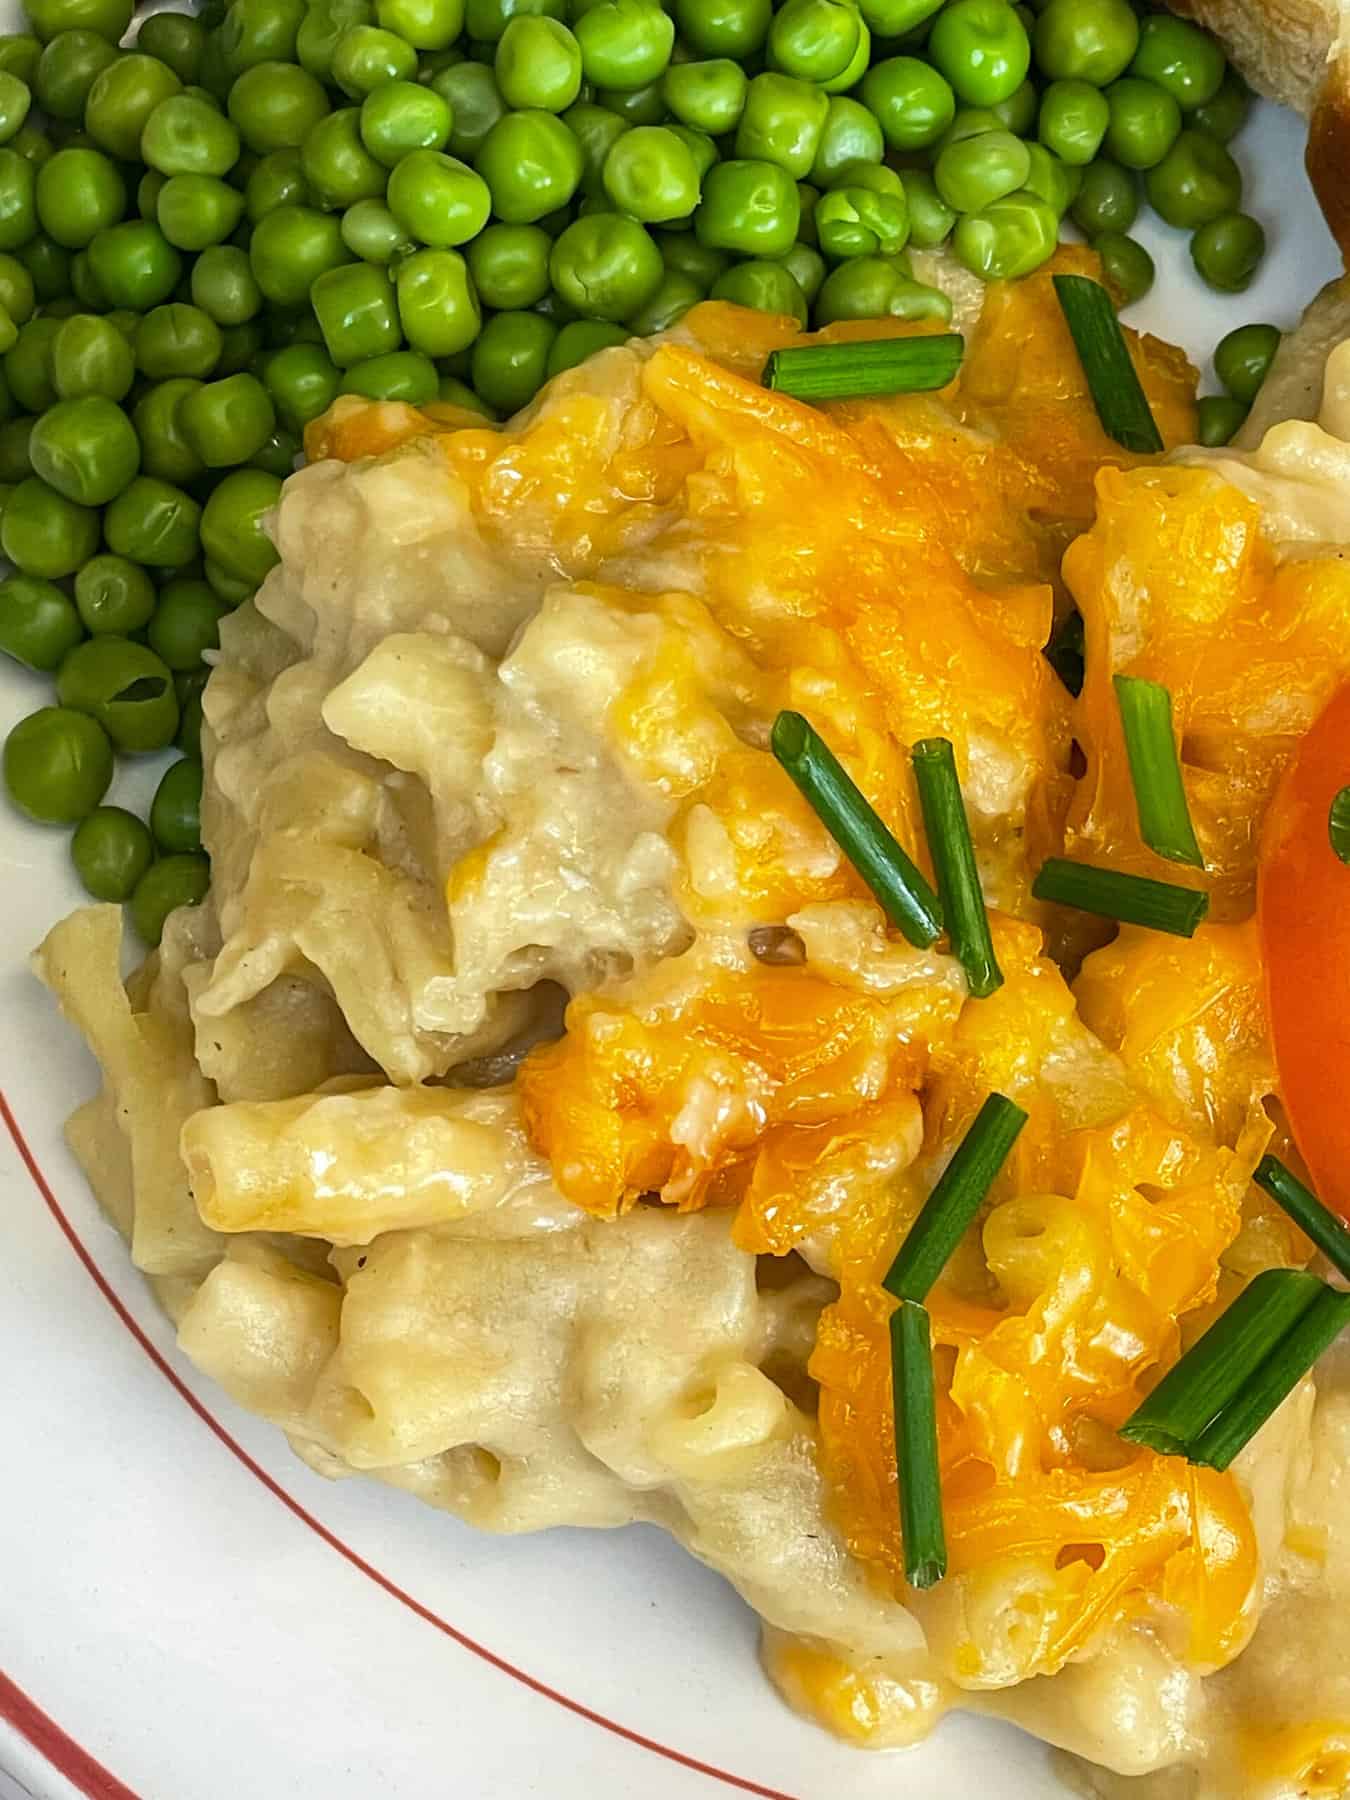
pixel 1297 52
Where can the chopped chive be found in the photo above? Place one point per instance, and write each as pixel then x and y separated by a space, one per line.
pixel 905 365
pixel 955 1200
pixel 1066 651
pixel 1117 393
pixel 916 1446
pixel 1133 899
pixel 1316 1330
pixel 1338 825
pixel 1312 1218
pixel 953 854
pixel 1155 771
pixel 905 895
pixel 1217 1367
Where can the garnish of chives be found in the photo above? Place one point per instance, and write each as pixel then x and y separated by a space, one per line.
pixel 902 889
pixel 905 365
pixel 1312 1218
pixel 1338 825
pixel 916 1446
pixel 1117 394
pixel 955 1200
pixel 1155 771
pixel 1219 1365
pixel 1315 1331
pixel 1133 899
pixel 953 854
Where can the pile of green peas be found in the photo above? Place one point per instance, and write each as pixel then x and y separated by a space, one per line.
pixel 208 234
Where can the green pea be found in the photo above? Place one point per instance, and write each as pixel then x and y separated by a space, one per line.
pixel 636 106
pixel 597 131
pixel 510 359
pixel 1195 182
pixel 865 214
pixel 1218 417
pixel 278 180
pixel 290 248
pixel 226 422
pixel 44 533
pixel 165 452
pixel 67 70
pixel 724 28
pixel 782 122
pixel 1073 119
pixel 930 218
pixel 532 163
pixel 607 266
pixel 232 531
pixel 1086 40
pixel 1128 267
pixel 1143 122
pixel 337 167
pixel 189 691
pixel 148 190
pixel 1223 116
pixel 371 232
pixel 1243 357
pixel 88 292
pixel 257 31
pixel 302 382
pixel 1107 199
pixel 1055 182
pixel 876 287
pixel 33 145
pixel 911 100
pixel 538 64
pixel 426 24
pixel 239 346
pixel 135 264
pixel 625 44
pixel 852 135
pixel 233 590
pixel 509 266
pixel 223 287
pixel 57 765
pixel 176 39
pixel 366 58
pixel 28 365
pixel 279 455
pixel 667 306
pixel 402 117
pixel 197 211
pixel 356 313
pixel 176 810
pixel 485 20
pixel 166 885
pixel 121 100
pixel 113 596
pixel 814 40
pixel 684 255
pixel 186 136
pixel 975 171
pixel 48 264
pixel 471 92
pixel 321 29
pixel 18 209
pixel 1018 112
pixel 1227 251
pixel 15 100
pixel 125 687
pixel 185 623
pixel 177 340
pixel 404 375
pixel 111 850
pixel 16 463
pixel 749 207
pixel 441 201
pixel 807 267
pixel 981 48
pixel 153 522
pixel 1008 238
pixel 709 96
pixel 90 356
pixel 19 53
pixel 765 286
pixel 578 340
pixel 1180 57
pixel 39 625
pixel 651 175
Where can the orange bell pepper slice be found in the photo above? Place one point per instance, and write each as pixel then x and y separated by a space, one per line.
pixel 1303 908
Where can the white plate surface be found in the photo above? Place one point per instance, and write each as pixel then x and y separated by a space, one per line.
pixel 188 1613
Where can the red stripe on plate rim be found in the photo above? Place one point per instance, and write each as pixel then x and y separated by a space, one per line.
pixel 88 1775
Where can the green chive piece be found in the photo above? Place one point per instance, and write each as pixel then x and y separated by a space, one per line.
pixel 1312 1218
pixel 916 1446
pixel 1066 651
pixel 905 895
pixel 903 365
pixel 1133 899
pixel 955 1200
pixel 1219 1365
pixel 953 854
pixel 1155 770
pixel 1315 1331
pixel 1338 825
pixel 1117 393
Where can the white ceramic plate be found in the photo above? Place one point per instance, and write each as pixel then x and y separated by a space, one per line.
pixel 188 1613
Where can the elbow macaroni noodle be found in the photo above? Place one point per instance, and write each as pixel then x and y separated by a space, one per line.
pixel 495 733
